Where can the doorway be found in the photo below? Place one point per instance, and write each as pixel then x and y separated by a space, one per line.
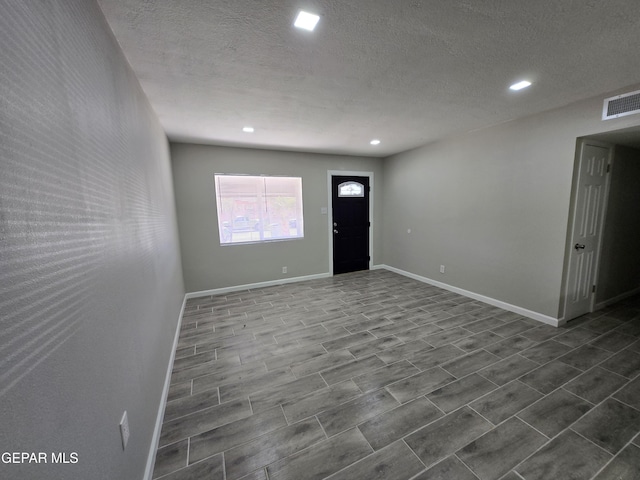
pixel 615 262
pixel 591 188
pixel 350 222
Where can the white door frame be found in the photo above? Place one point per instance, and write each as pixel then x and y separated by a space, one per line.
pixel 344 173
pixel 572 221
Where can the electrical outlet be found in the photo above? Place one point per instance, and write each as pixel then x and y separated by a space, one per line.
pixel 124 430
pixel 284 269
pixel 441 268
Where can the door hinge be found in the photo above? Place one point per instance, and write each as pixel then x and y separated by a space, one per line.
pixel 608 167
pixel 593 290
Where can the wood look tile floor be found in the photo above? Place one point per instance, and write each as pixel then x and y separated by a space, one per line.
pixel 372 375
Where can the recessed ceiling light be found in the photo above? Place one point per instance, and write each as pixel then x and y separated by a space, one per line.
pixel 520 85
pixel 306 20
pixel 375 142
pixel 248 129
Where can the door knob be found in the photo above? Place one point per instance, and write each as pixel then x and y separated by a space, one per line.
pixel 577 246
pixel 335 231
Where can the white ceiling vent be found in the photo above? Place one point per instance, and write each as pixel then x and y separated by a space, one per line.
pixel 621 105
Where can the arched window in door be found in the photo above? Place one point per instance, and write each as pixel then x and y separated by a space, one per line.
pixel 351 189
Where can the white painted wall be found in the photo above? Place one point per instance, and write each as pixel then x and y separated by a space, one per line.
pixel 207 264
pixel 491 205
pixel 90 276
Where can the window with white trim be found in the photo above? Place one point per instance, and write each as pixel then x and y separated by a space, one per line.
pixel 254 209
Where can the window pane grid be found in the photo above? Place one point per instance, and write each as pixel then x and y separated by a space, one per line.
pixel 258 208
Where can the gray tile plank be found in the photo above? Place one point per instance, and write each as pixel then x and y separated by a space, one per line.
pixel 595 385
pixel 611 425
pixel 383 376
pixel 427 359
pixel 351 369
pixel 613 341
pixel 323 460
pixel 625 466
pixel 485 324
pixel 272 447
pixel 232 434
pixel 369 348
pixel 508 369
pixel 458 393
pixel 420 384
pixel 550 376
pixel 170 458
pixel 270 397
pixel 576 337
pixel 545 352
pixel 585 357
pixel 294 357
pixel 179 390
pixel 566 456
pixel 510 346
pixel 447 336
pixel 506 401
pixel 257 475
pixel 244 338
pixel 254 384
pixel 203 420
pixel 390 426
pixel 228 375
pixel 406 350
pixel 495 453
pixel 470 363
pixel 192 360
pixel 211 468
pixel 512 328
pixel 322 362
pixel 447 435
pixel 395 462
pixel 356 411
pixel 477 341
pixel 630 394
pixel 451 468
pixel 418 332
pixel 348 341
pixel 625 363
pixel 320 401
pixel 190 404
pixel 542 333
pixel 555 412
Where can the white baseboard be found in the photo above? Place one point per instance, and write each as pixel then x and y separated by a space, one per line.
pixel 155 440
pixel 491 301
pixel 249 286
pixel 617 298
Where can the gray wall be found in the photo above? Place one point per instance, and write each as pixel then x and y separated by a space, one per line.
pixel 90 276
pixel 492 206
pixel 620 262
pixel 207 265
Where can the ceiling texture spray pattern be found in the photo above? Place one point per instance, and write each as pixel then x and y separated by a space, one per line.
pixel 408 72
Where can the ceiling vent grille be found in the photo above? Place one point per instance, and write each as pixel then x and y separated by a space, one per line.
pixel 621 105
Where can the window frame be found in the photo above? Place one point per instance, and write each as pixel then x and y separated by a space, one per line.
pixel 263 205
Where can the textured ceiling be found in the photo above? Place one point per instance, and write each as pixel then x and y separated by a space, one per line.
pixel 407 71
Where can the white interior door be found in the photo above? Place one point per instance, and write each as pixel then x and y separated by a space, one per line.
pixel 588 217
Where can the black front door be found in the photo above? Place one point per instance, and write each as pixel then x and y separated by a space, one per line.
pixel 350 224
